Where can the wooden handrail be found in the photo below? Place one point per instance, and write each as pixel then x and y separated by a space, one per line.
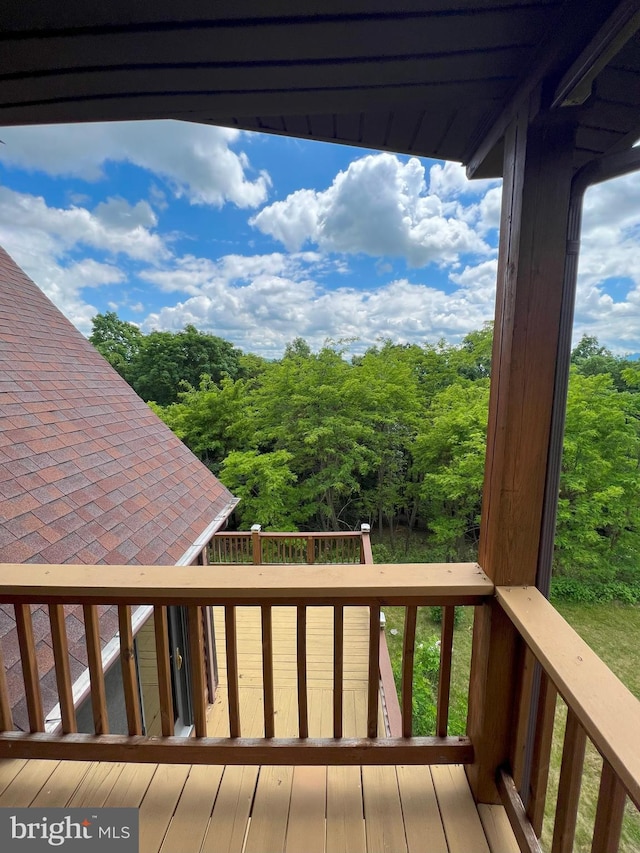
pixel 412 583
pixel 607 711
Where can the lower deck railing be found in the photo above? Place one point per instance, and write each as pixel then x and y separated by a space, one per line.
pixel 195 587
pixel 257 546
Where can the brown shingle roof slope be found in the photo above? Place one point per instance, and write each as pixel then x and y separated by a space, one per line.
pixel 88 473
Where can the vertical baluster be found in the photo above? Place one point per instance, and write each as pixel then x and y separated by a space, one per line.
pixel 30 674
pixel 444 679
pixel 62 668
pixel 164 669
pixel 96 673
pixel 374 671
pixel 338 668
pixel 569 786
pixel 610 812
pixel 301 640
pixel 267 671
pixel 6 719
pixel 408 651
pixel 129 674
pixel 540 758
pixel 526 681
pixel 198 681
pixel 231 645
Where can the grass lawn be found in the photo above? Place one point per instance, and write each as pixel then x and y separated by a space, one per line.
pixel 613 631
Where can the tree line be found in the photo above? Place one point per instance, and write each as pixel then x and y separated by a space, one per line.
pixel 394 437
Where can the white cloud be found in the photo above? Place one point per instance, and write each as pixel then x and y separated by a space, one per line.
pixel 261 303
pixel 378 206
pixel 449 180
pixel 610 249
pixel 45 241
pixel 114 226
pixel 196 161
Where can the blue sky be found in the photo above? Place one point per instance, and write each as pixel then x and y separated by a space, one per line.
pixel 261 239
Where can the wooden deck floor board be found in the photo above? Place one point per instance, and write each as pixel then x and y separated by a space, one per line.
pixel 458 811
pixel 383 811
pixel 306 827
pixel 61 784
pixel 159 803
pixel 423 826
pixel 193 812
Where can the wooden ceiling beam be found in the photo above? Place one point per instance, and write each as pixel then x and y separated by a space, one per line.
pixel 577 83
pixel 565 40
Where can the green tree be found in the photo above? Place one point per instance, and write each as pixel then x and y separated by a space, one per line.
pixel 166 361
pixel 450 454
pixel 598 527
pixel 117 340
pixel 266 486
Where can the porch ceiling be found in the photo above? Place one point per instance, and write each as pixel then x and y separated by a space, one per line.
pixel 425 77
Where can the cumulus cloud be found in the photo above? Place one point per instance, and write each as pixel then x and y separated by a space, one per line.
pixel 379 206
pixel 46 242
pixel 262 303
pixel 114 226
pixel 196 161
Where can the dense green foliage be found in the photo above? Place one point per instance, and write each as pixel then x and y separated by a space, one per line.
pixel 394 437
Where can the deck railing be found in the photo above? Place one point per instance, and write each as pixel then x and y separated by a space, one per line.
pixel 257 547
pixel 195 587
pixel 599 707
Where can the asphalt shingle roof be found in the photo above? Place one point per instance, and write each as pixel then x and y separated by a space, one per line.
pixel 88 473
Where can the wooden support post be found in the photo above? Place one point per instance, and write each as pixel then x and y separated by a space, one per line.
pixel 533 246
pixel 256 544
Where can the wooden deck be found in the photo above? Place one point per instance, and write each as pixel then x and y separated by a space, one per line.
pixel 213 809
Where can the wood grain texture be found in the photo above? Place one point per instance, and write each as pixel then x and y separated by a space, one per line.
pixel 408 653
pixel 498 830
pixel 605 708
pixel 522 829
pixel 460 819
pixel 129 671
pixel 609 813
pixel 163 660
pixel 564 828
pixel 383 810
pixel 96 673
pixel 6 719
pixel 373 690
pixel 444 678
pixel 198 671
pixel 306 827
pixel 423 825
pixel 62 668
pixel 541 757
pixel 232 670
pixel 267 671
pixel 276 751
pixel 30 675
pixel 338 669
pixel 428 583
pixel 301 661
